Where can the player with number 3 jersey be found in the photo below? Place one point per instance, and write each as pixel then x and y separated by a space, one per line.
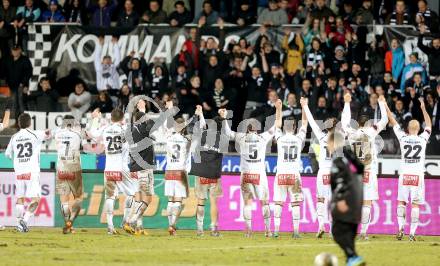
pixel 24 148
pixel 412 168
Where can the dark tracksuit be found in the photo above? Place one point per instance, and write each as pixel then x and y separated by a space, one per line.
pixel 346 184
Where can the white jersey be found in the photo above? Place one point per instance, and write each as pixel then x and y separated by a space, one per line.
pixel 177 148
pixel 24 147
pixel 252 148
pixel 116 148
pixel 68 144
pixel 1 126
pixel 413 149
pixel 289 150
pixel 362 140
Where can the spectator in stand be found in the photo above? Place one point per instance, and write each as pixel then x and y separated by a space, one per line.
pixel 79 100
pixel 308 92
pixel 291 107
pixel 7 15
pixel 290 6
pixel 17 70
pixel 401 115
pixel 189 97
pixel 425 16
pixel 245 14
pixel 364 15
pixel 180 16
pixel 27 13
pixel 433 53
pixel 336 31
pixel 192 45
pixel 76 12
pixel 183 58
pixel 389 85
pixel 66 85
pixel 347 13
pixel 180 79
pixel 107 76
pixel 372 109
pixel 312 29
pixel 315 58
pixel 128 17
pixel 273 15
pixel 433 108
pixel 45 99
pixel 409 70
pixel 399 15
pixel 134 69
pixel 158 78
pixel 215 99
pixel 102 13
pixel 270 54
pixel 211 72
pixel 293 48
pixel 303 11
pixel 376 53
pixel 412 104
pixel 208 15
pixel 267 109
pixel 124 98
pixel 395 60
pixel 418 84
pixel 321 12
pixel 322 112
pixel 154 15
pixel 103 103
pixel 169 6
pixel 54 13
pixel 257 84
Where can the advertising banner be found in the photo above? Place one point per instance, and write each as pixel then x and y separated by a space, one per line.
pixel 44 215
pixel 383 217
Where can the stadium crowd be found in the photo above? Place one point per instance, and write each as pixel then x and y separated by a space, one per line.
pixel 329 57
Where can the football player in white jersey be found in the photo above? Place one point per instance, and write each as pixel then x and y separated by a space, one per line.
pixel 24 148
pixel 323 189
pixel 288 179
pixel 362 142
pixel 69 175
pixel 178 144
pixel 3 125
pixel 117 177
pixel 254 184
pixel 412 168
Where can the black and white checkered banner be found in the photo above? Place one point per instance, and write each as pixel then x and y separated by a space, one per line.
pixel 61 48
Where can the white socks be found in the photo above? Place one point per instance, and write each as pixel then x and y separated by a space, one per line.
pixel 176 209
pixel 266 215
pixel 109 207
pixel 365 220
pixel 129 200
pixel 415 212
pixel 277 216
pixel 296 215
pixel 19 209
pixel 320 213
pixel 200 215
pixel 65 211
pixel 401 216
pixel 247 213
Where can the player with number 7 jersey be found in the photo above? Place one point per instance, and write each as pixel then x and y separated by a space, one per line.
pixel 117 177
pixel 69 176
pixel 24 148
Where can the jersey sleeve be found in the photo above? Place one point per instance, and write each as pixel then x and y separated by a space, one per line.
pixel 345 119
pixel 399 132
pixel 315 128
pixel 228 131
pixel 302 132
pixel 1 126
pixel 269 134
pixel 42 135
pixel 278 133
pixel 426 133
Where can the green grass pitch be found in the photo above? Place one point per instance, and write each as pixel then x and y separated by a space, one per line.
pixel 43 246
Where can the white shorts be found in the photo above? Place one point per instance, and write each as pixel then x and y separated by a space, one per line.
pixel 287 184
pixel 323 189
pixel 144 181
pixel 411 186
pixel 206 187
pixel 176 184
pixel 28 185
pixel 370 186
pixel 119 182
pixel 254 186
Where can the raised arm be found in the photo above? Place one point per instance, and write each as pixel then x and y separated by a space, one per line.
pixel 98 52
pixel 95 129
pixel 227 130
pixel 383 114
pixel 116 52
pixel 315 128
pixel 428 122
pixel 346 113
pixel 6 118
pixel 278 114
pixel 391 118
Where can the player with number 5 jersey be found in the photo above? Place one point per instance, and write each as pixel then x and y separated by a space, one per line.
pixel 252 148
pixel 325 163
pixel 69 176
pixel 24 148
pixel 412 168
